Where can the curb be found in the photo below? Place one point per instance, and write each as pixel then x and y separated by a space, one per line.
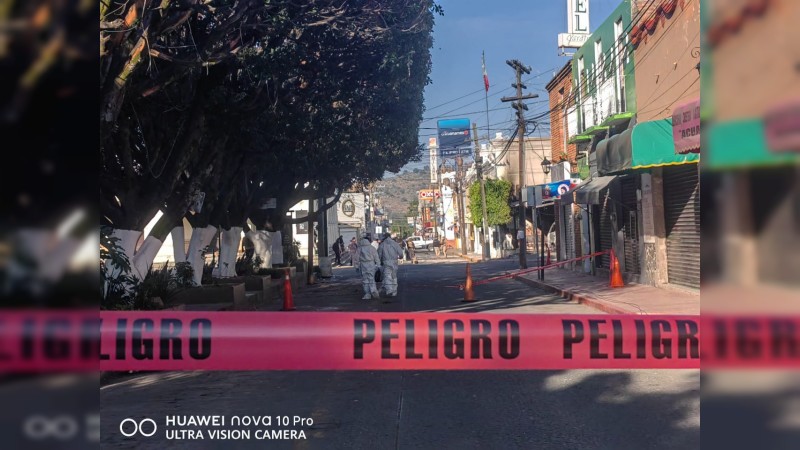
pixel 470 258
pixel 580 298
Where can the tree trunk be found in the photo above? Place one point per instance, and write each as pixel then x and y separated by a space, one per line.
pixel 50 256
pixel 201 238
pixel 179 244
pixel 262 245
pixel 143 259
pixel 229 248
pixel 277 248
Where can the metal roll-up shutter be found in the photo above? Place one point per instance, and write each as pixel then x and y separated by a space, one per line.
pixel 569 232
pixel 682 222
pixel 576 230
pixel 606 230
pixel 629 222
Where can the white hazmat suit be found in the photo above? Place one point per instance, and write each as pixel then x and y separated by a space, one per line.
pixel 368 261
pixel 390 252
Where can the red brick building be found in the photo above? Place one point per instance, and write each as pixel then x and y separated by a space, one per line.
pixel 559 90
pixel 563 123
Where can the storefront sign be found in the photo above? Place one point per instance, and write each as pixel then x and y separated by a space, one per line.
pixel 577 25
pixel 578 16
pixel 569 40
pixel 551 191
pixel 348 208
pixel 428 194
pixel 782 127
pixel 270 203
pixel 686 127
pixel 546 193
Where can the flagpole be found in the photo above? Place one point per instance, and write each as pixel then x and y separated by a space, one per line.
pixel 486 97
pixel 487 252
pixel 488 133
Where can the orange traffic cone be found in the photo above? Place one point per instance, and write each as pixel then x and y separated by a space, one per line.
pixel 288 301
pixel 616 275
pixel 469 295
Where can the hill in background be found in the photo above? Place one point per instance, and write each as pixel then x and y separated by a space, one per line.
pixel 400 190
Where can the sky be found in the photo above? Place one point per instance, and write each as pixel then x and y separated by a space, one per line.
pixel 526 30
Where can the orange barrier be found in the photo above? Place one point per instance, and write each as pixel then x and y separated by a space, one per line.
pixel 615 279
pixel 288 300
pixel 469 295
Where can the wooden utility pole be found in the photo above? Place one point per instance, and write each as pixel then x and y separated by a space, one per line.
pixel 519 69
pixel 479 170
pixel 460 198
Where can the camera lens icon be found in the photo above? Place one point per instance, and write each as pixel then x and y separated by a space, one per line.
pixel 130 427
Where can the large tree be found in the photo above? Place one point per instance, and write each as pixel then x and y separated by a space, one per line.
pixel 248 101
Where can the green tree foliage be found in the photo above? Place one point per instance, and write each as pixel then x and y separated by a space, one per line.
pixel 497 196
pixel 413 208
pixel 252 100
pixel 403 229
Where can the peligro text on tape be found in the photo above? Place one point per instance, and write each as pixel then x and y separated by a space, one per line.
pixel 390 341
pixel 148 340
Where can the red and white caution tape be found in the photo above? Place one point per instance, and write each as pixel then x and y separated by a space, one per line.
pixel 150 340
pixel 535 269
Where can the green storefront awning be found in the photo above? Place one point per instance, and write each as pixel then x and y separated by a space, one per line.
pixel 647 145
pixel 617 119
pixel 579 138
pixel 741 144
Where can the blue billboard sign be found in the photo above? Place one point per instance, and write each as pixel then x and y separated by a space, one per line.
pixel 454 137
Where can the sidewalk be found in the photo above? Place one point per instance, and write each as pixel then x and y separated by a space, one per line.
pixel 471 257
pixel 631 299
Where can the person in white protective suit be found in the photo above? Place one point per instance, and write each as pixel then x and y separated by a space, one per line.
pixel 368 261
pixel 390 252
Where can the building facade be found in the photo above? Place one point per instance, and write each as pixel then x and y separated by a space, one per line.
pixel 751 235
pixel 640 192
pixel 564 157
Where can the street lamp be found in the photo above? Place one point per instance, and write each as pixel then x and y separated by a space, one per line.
pixel 546 165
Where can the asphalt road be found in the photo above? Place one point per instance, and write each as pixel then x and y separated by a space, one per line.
pixel 593 409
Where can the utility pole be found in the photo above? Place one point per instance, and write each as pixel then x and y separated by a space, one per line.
pixel 479 169
pixel 461 209
pixel 519 69
pixel 440 209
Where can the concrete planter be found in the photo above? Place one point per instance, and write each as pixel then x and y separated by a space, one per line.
pixel 298 280
pixel 259 289
pixel 251 282
pixel 212 294
pixel 300 266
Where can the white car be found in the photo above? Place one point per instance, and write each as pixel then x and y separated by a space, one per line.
pixel 420 243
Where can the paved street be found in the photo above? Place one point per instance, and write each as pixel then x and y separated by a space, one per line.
pixel 385 410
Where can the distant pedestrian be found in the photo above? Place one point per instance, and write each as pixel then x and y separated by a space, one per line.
pixel 353 249
pixel 436 245
pixel 338 247
pixel 403 248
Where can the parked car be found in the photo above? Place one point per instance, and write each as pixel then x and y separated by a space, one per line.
pixel 420 243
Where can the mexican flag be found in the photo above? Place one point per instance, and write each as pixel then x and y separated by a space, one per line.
pixel 485 75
